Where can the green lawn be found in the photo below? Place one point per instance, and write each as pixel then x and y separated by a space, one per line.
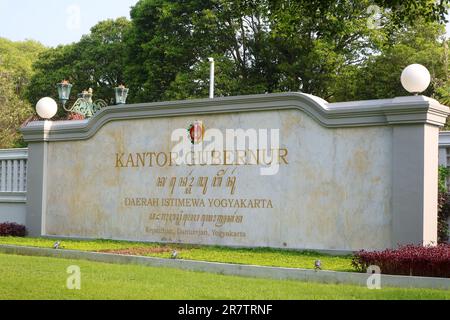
pixel 262 257
pixel 45 278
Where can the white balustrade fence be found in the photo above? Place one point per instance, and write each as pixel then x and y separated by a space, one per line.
pixel 444 152
pixel 13 170
pixel 13 185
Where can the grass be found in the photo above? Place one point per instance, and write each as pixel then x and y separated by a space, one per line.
pixel 261 257
pixel 32 278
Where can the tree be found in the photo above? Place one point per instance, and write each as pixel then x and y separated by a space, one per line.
pixel 379 76
pixel 194 83
pixel 102 57
pixel 52 66
pixel 237 35
pixel 167 38
pixel 262 46
pixel 410 10
pixel 97 61
pixel 16 60
pixel 13 112
pixel 319 42
pixel 327 48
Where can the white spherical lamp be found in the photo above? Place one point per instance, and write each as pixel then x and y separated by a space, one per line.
pixel 46 108
pixel 416 78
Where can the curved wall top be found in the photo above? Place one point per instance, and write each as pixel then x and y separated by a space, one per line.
pixel 401 110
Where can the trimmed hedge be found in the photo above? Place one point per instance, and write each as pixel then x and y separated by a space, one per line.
pixel 408 261
pixel 9 229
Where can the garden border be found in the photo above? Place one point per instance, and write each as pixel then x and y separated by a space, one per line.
pixel 330 277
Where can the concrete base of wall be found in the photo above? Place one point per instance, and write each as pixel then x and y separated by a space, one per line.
pixel 330 277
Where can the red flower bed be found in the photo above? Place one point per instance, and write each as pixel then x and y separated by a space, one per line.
pixel 408 260
pixel 12 230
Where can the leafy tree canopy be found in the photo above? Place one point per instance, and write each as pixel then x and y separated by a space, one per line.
pixel 16 61
pixel 338 50
pixel 97 61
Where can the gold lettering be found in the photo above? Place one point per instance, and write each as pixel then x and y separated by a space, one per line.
pixel 199 158
pixel 158 157
pixel 172 158
pixel 241 157
pixel 265 157
pixel 130 162
pixel 226 159
pixel 141 159
pixel 119 163
pixel 151 155
pixel 253 157
pixel 215 157
pixel 283 153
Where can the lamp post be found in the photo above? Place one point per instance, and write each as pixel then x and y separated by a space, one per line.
pixel 121 94
pixel 415 78
pixel 64 89
pixel 85 104
pixel 212 77
pixel 46 108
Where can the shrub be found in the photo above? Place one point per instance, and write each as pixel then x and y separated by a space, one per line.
pixel 443 215
pixel 12 230
pixel 443 206
pixel 408 261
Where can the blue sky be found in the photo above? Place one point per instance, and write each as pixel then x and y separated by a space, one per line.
pixel 54 22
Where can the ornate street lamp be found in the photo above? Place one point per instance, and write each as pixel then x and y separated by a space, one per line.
pixel 64 89
pixel 85 104
pixel 121 94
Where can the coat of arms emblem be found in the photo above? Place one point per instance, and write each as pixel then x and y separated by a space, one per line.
pixel 196 132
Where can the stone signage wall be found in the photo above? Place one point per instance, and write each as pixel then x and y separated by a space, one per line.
pixel 347 176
